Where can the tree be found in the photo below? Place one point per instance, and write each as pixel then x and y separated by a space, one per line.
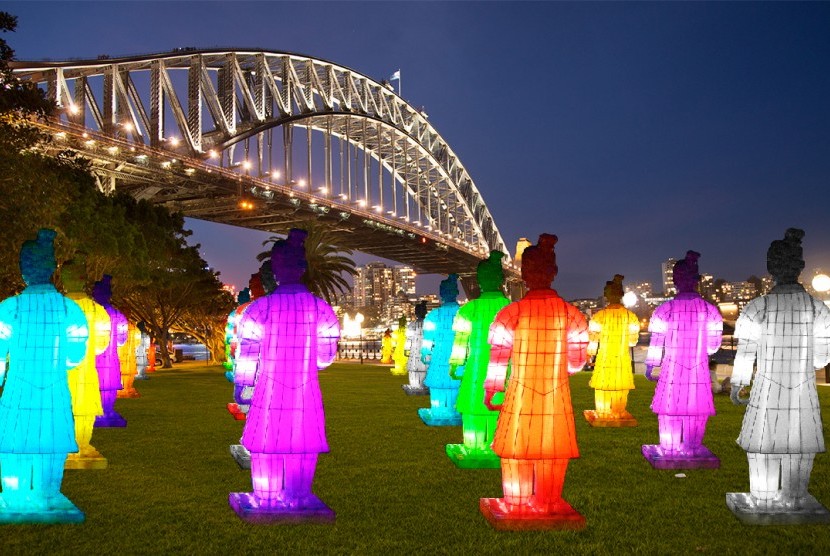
pixel 326 267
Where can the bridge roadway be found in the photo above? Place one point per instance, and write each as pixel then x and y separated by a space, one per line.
pixel 199 189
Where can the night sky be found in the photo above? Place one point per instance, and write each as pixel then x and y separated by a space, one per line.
pixel 633 131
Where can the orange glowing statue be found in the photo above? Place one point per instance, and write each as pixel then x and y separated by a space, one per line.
pixel 544 338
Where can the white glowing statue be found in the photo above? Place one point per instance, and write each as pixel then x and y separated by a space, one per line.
pixel 786 333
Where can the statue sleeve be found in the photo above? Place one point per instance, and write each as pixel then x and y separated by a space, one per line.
pixel 77 334
pixel 328 333
pixel 658 327
pixel 748 333
pixel 462 326
pixel 821 335
pixel 501 347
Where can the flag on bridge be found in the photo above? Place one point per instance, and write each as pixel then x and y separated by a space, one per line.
pixel 396 75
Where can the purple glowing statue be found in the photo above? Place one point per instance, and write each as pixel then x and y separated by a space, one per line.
pixel 284 339
pixel 684 333
pixel 107 363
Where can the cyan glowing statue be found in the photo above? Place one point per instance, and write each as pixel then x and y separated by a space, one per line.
pixel 544 339
pixel 128 360
pixel 142 352
pixel 786 333
pixel 83 379
pixel 44 335
pixel 284 339
pixel 107 363
pixel 242 300
pixel 684 333
pixel 399 348
pixel 239 411
pixel 612 332
pixel 471 352
pixel 415 366
pixel 386 347
pixel 436 349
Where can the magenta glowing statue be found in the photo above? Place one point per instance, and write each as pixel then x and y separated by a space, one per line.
pixel 284 339
pixel 107 363
pixel 44 335
pixel 544 339
pixel 787 333
pixel 436 349
pixel 415 366
pixel 684 333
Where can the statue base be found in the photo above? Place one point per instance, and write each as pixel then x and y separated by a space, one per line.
pixel 415 390
pixel 505 518
pixel 465 457
pixel 111 421
pixel 595 420
pixel 662 459
pixel 88 459
pixel 237 413
pixel 241 456
pixel 398 372
pixel 749 512
pixel 58 510
pixel 142 377
pixel 249 509
pixel 443 418
pixel 128 394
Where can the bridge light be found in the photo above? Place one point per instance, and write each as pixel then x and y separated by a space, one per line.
pixel 89 142
pixel 174 141
pixel 84 134
pixel 275 174
pixel 423 240
pixel 128 126
pixel 213 154
pixel 301 183
pixel 72 109
pixel 324 190
pixel 362 203
pixel 246 164
pixel 60 135
pixel 112 150
pixel 189 171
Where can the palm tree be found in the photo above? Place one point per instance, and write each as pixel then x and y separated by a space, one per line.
pixel 326 263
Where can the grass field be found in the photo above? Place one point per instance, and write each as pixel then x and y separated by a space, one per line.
pixel 392 486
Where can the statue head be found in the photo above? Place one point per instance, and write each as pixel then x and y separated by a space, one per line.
pixel 539 263
pixel 685 274
pixel 37 258
pixel 785 258
pixel 244 296
pixel 142 327
pixel 73 275
pixel 266 277
pixel 448 290
pixel 421 310
pixel 102 290
pixel 255 289
pixel 489 272
pixel 288 259
pixel 613 291
pixel 402 322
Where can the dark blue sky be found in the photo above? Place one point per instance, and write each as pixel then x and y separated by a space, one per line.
pixel 634 131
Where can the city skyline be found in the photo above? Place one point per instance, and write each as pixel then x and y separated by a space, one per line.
pixel 632 131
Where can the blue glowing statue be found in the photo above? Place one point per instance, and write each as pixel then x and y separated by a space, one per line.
pixel 44 335
pixel 435 351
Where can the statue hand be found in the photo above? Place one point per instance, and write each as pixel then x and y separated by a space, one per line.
pixel 735 395
pixel 649 370
pixel 454 372
pixel 242 394
pixel 488 400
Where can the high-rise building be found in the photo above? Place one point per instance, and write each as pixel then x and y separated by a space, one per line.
pixel 390 289
pixel 668 281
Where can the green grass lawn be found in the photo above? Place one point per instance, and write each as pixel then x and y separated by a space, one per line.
pixel 391 484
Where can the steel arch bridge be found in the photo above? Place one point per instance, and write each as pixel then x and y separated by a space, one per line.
pixel 194 130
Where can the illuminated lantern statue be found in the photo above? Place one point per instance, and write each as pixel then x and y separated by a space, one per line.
pixel 230 333
pixel 142 352
pixel 284 339
pixel 415 366
pixel 386 347
pixel 684 333
pixel 544 340
pixel 612 332
pixel 787 334
pixel 128 359
pixel 44 335
pixel 436 349
pixel 83 379
pixel 107 363
pixel 399 348
pixel 472 353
